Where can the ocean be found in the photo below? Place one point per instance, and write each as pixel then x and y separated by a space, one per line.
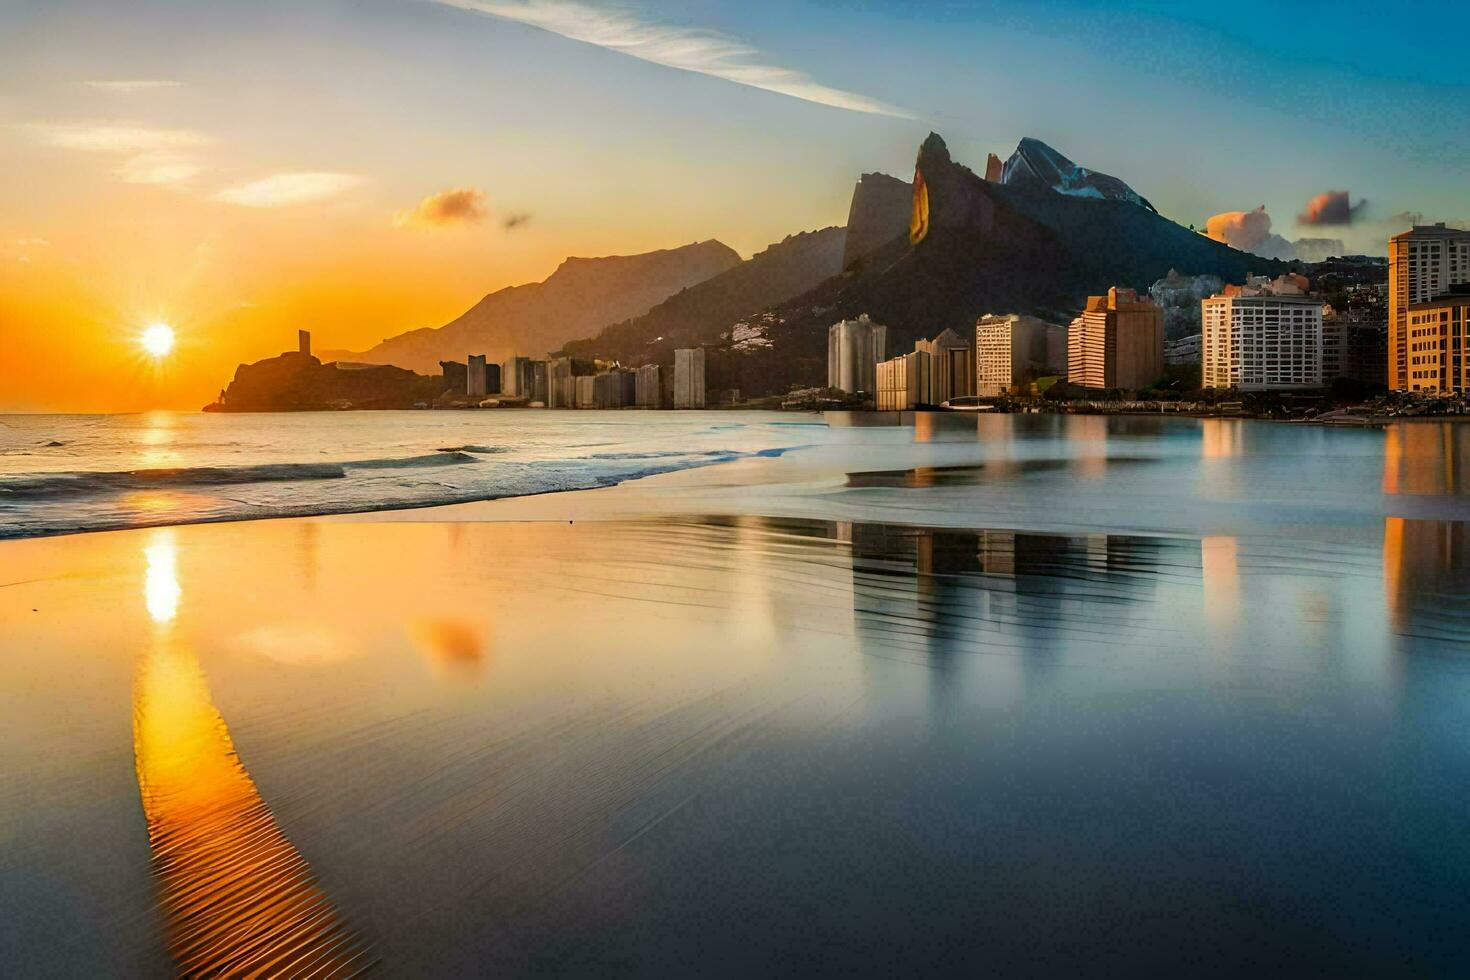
pixel 1010 695
pixel 66 473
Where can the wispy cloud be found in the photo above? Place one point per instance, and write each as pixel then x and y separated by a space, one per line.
pixel 158 168
pixel 128 85
pixel 154 154
pixel 456 206
pixel 120 137
pixel 281 190
pixel 688 49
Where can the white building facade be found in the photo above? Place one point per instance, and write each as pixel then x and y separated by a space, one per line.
pixel 854 348
pixel 1261 342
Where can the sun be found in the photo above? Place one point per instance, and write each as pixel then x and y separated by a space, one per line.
pixel 158 339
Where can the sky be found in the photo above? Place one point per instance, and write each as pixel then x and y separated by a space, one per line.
pixel 363 167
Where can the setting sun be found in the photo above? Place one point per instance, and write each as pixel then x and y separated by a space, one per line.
pixel 158 339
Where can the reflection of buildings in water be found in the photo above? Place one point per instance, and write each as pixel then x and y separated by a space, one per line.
pixel 1220 565
pixel 1426 458
pixel 945 427
pixel 237 897
pixel 1220 438
pixel 1426 577
pixel 951 588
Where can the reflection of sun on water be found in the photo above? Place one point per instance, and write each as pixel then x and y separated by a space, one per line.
pixel 236 895
pixel 161 590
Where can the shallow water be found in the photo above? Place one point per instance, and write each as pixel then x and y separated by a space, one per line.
pixel 1032 696
pixel 65 473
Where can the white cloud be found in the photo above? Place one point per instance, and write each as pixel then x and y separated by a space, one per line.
pixel 158 168
pixel 280 190
pixel 120 137
pixel 129 85
pixel 685 48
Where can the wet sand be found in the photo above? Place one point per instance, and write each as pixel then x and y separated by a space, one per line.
pixel 643 730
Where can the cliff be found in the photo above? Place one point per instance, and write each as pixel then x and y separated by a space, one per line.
pixel 580 296
pixel 879 213
pixel 296 382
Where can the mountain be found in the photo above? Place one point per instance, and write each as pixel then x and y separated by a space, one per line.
pixel 703 313
pixel 976 247
pixel 1036 163
pixel 580 296
pixel 879 214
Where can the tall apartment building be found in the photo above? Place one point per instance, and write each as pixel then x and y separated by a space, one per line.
pixel 1117 342
pixel 1261 337
pixel 1424 263
pixel 518 378
pixel 1438 344
pixel 1353 349
pixel 303 343
pixel 561 381
pixel 950 373
pixel 646 391
pixel 476 385
pixel 689 377
pixel 905 382
pixel 854 348
pixel 1012 349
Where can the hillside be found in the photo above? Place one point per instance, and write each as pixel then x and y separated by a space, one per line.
pixel 580 296
pixel 703 313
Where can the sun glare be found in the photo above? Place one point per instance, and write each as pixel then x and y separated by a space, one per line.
pixel 158 339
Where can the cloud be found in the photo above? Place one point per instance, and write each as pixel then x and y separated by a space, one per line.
pixel 456 206
pixel 155 155
pixel 1249 231
pixel 685 48
pixel 281 190
pixel 517 220
pixel 1331 208
pixel 130 85
pixel 120 138
pixel 157 168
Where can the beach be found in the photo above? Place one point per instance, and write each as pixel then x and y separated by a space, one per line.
pixel 1011 694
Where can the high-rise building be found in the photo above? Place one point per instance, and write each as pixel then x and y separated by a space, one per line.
pixel 585 386
pixel 518 378
pixel 949 374
pixel 1014 349
pixel 475 382
pixel 1423 263
pixel 1438 344
pixel 1117 342
pixel 1261 337
pixel 905 382
pixel 646 392
pixel 303 342
pixel 538 381
pixel 561 381
pixel 854 348
pixel 614 389
pixel 689 377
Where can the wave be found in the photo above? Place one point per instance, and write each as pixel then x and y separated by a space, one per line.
pixel 46 485
pixel 479 450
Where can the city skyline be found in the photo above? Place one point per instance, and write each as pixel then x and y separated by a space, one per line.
pixel 240 174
